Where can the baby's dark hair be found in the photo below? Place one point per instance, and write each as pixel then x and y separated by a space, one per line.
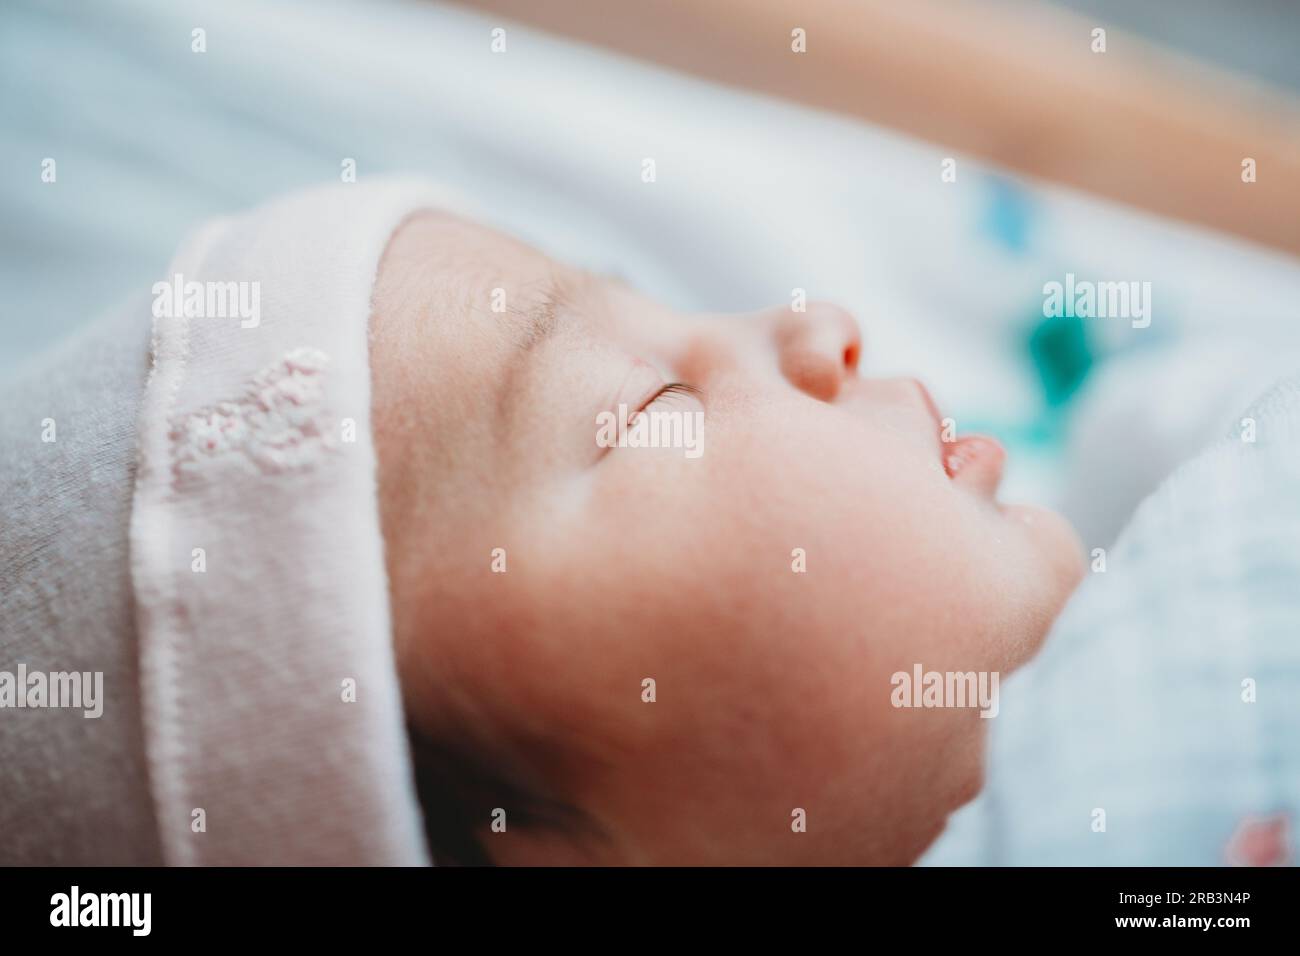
pixel 460 787
pixel 444 784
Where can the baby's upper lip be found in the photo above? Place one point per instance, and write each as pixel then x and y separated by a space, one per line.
pixel 928 399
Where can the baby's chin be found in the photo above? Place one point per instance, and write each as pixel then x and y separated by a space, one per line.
pixel 1053 542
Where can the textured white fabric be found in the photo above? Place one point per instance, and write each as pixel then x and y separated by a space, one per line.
pixel 1167 696
pixel 266 724
pixel 256 448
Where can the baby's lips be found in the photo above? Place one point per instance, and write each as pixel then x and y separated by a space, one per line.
pixel 975 461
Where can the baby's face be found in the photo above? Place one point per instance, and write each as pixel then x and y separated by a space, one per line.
pixel 769 585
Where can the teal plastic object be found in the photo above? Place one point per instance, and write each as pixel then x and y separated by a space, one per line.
pixel 1062 356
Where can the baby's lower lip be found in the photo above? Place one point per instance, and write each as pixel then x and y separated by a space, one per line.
pixel 975 459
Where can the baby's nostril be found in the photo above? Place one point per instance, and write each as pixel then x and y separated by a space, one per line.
pixel 851 357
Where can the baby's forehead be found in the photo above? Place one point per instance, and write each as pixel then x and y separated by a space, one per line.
pixel 498 277
pixel 498 302
pixel 470 259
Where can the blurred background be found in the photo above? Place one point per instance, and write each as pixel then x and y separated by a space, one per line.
pixel 834 189
pixel 1256 38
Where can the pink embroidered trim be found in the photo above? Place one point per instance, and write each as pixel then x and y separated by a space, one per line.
pixel 277 424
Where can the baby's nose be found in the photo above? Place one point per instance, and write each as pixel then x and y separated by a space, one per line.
pixel 818 348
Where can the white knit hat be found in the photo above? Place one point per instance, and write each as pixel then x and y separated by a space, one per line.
pixel 271 708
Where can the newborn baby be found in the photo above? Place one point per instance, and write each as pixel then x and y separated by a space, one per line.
pixel 381 544
pixel 643 657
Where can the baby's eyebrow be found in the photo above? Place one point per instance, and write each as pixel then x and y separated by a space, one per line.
pixel 572 289
pixel 540 323
pixel 529 327
pixel 542 320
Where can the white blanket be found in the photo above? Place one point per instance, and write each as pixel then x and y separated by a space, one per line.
pixel 1159 724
